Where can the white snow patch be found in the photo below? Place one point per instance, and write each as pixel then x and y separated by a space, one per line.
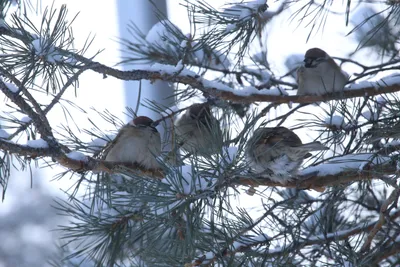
pixel 161 34
pixel 184 44
pixel 259 57
pixel 209 255
pixel 245 91
pixel 3 134
pixel 392 79
pixel 243 10
pixel 335 120
pixel 206 258
pixel 37 46
pixel 167 69
pixel 71 60
pixel 230 27
pixel 25 119
pixel 245 241
pixel 42 48
pixel 38 143
pixel 229 153
pixel 359 85
pixel 12 87
pixel 228 156
pixel 348 162
pixel 76 155
pixel 179 65
pixel 212 58
pixel 370 116
pixel 381 100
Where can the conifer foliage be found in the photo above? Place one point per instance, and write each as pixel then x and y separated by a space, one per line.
pixel 207 207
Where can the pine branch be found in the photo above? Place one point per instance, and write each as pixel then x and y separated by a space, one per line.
pixel 319 182
pixel 88 164
pixel 315 181
pixel 323 239
pixel 39 120
pixel 382 216
pixel 197 82
pixel 214 89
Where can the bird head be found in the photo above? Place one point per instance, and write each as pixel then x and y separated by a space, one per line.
pixel 142 122
pixel 314 57
pixel 199 112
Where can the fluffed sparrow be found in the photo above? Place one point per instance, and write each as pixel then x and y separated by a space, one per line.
pixel 278 152
pixel 137 142
pixel 198 131
pixel 320 74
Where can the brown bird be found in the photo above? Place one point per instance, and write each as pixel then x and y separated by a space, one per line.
pixel 278 152
pixel 137 142
pixel 320 74
pixel 198 131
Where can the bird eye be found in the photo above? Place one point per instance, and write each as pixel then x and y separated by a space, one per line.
pixel 308 62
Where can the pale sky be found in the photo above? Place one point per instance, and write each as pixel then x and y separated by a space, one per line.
pixel 100 21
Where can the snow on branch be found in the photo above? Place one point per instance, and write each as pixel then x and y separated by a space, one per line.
pixel 74 161
pixel 219 90
pixel 338 171
pixel 243 95
pixel 362 167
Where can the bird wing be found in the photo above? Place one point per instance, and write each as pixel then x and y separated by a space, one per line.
pixel 273 136
pixel 103 154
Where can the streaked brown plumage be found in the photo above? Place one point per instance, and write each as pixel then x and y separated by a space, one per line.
pixel 198 131
pixel 278 152
pixel 137 142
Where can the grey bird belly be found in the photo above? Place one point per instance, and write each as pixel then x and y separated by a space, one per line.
pixel 134 149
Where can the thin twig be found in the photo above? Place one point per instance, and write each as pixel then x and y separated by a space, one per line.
pixel 382 214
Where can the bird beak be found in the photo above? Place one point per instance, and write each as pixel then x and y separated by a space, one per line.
pixel 308 62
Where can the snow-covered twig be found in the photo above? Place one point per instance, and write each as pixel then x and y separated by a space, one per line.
pixel 221 91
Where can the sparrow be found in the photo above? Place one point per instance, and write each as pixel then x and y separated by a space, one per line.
pixel 198 131
pixel 278 152
pixel 320 74
pixel 137 142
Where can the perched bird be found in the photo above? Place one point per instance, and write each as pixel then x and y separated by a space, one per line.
pixel 320 74
pixel 137 142
pixel 198 131
pixel 278 153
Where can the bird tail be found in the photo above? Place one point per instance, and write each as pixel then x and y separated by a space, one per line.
pixel 313 146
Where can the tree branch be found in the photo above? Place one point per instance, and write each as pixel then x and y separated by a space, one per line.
pixel 382 216
pixel 320 181
pixel 322 239
pixel 199 83
pixel 54 101
pixel 203 85
pixel 315 181
pixel 89 164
